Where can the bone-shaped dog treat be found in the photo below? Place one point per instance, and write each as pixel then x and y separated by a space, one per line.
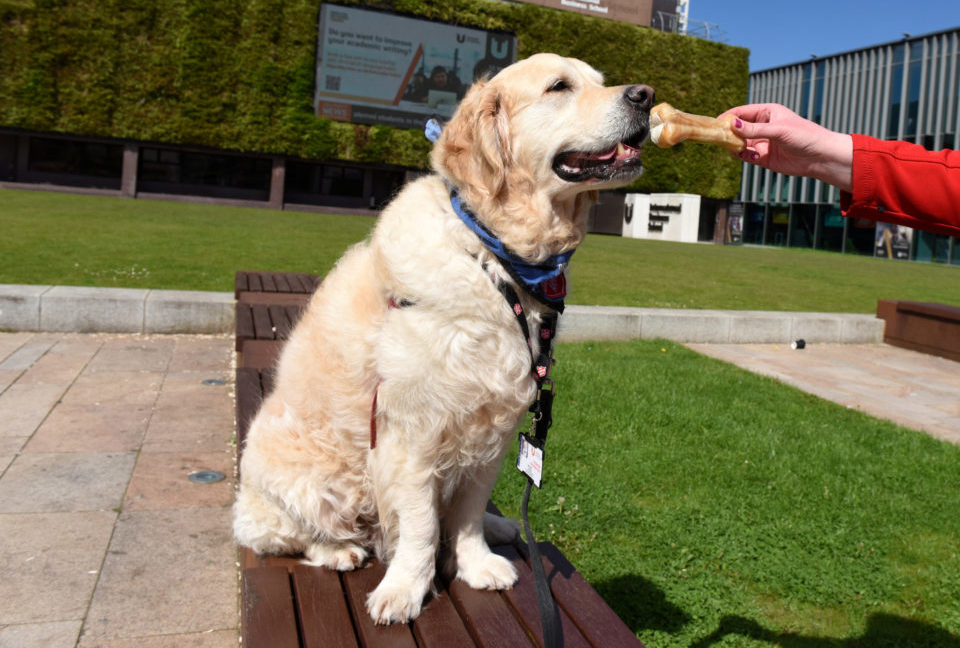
pixel 669 126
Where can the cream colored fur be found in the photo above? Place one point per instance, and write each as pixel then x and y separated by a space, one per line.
pixel 453 370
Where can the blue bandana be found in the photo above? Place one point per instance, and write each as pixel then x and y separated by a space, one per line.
pixel 543 280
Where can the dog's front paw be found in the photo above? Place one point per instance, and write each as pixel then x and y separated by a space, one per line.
pixel 394 602
pixel 342 557
pixel 489 571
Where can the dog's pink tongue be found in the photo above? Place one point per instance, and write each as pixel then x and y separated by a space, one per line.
pixel 585 158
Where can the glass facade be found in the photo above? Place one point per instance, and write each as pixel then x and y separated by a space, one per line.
pixel 165 170
pixel 907 90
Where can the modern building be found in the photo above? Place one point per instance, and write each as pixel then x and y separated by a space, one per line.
pixel 907 90
pixel 320 107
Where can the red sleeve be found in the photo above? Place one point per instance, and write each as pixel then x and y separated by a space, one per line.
pixel 903 183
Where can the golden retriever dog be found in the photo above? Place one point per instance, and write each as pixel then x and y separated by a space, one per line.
pixel 410 337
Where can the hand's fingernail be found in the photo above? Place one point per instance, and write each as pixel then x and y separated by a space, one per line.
pixel 754 156
pixel 738 123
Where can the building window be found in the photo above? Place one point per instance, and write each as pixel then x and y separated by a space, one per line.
pixel 805 91
pixel 778 224
pixel 753 224
pixel 861 236
pixel 342 181
pixel 324 179
pixel 831 228
pixel 818 93
pixel 8 157
pixel 68 157
pixel 804 226
pixel 313 183
pixel 204 174
pixel 932 247
pixel 896 91
pixel 914 77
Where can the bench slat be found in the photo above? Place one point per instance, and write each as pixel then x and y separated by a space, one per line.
pixel 259 354
pixel 281 281
pixel 293 315
pixel 240 284
pixel 268 617
pixel 598 623
pixel 244 323
pixel 308 282
pixel 488 617
pixel 266 280
pixel 357 584
pixel 299 283
pixel 249 397
pixel 440 626
pixel 268 377
pixel 523 599
pixel 941 311
pixel 323 611
pixel 281 323
pixel 261 322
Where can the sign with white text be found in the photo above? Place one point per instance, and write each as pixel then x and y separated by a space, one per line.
pixel 380 68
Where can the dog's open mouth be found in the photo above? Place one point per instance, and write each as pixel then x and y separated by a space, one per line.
pixel 623 159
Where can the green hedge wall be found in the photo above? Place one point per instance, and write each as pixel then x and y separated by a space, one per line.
pixel 239 74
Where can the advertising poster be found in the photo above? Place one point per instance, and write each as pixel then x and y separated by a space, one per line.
pixel 379 68
pixel 893 241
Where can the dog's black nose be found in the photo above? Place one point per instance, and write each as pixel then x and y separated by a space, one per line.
pixel 641 96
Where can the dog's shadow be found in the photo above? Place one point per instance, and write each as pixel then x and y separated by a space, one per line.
pixel 641 604
pixel 882 631
pixel 644 606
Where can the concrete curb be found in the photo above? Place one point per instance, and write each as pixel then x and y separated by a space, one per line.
pixel 114 310
pixel 123 310
pixel 717 326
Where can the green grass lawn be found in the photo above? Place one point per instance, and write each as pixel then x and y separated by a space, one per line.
pixel 713 507
pixel 63 239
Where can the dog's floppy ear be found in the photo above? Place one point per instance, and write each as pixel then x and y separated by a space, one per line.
pixel 474 148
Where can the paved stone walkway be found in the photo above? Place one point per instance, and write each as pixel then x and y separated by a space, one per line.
pixel 104 541
pixel 913 389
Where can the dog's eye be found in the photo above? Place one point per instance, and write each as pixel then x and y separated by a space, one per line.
pixel 560 85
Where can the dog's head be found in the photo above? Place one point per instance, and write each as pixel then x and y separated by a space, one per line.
pixel 529 148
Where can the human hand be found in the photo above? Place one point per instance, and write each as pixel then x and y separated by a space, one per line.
pixel 780 140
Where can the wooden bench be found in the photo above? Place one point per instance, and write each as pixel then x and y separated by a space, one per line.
pixel 288 604
pixel 921 326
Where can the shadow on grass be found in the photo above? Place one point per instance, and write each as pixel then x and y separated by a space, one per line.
pixel 644 606
pixel 883 631
pixel 641 604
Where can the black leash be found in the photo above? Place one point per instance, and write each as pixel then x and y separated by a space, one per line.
pixel 549 613
pixel 530 457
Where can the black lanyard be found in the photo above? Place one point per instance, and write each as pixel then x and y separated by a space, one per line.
pixel 541 408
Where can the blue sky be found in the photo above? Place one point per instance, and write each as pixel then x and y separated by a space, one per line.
pixel 778 32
